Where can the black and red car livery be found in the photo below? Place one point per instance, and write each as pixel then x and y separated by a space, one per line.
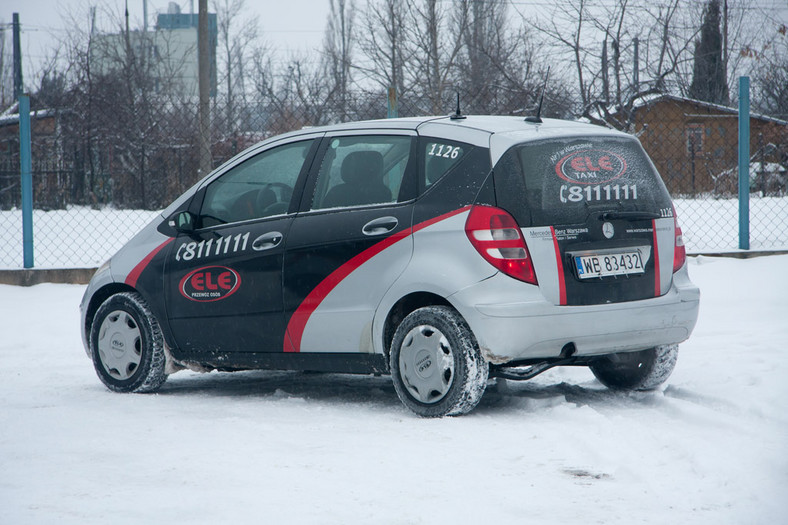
pixel 439 250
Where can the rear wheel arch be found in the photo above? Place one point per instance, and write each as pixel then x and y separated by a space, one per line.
pixel 402 308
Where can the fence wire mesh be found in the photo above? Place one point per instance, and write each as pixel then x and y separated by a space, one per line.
pixel 103 167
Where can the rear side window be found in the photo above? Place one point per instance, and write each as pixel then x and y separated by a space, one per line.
pixel 362 170
pixel 564 181
pixel 439 157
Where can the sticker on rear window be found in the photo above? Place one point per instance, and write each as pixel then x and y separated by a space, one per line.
pixel 444 150
pixel 598 192
pixel 591 166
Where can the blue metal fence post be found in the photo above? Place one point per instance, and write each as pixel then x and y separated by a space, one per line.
pixel 26 172
pixel 744 163
pixel 393 111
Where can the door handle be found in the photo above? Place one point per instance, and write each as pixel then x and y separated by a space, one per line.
pixel 267 241
pixel 380 226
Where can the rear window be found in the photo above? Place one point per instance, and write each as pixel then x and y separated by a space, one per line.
pixel 565 181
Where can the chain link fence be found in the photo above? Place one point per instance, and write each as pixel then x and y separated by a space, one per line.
pixel 694 146
pixel 103 167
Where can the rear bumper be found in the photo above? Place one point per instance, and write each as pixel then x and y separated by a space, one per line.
pixel 513 321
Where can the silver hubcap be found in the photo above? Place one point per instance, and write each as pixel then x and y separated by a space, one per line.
pixel 426 364
pixel 119 344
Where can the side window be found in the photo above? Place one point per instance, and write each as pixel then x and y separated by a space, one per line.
pixel 261 186
pixel 439 157
pixel 362 170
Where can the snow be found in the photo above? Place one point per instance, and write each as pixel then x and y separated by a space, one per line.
pixel 287 447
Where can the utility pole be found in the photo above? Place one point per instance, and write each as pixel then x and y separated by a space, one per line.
pixel 605 78
pixel 204 79
pixel 636 67
pixel 725 37
pixel 17 58
pixel 128 40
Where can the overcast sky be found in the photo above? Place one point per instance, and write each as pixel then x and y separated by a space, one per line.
pixel 287 26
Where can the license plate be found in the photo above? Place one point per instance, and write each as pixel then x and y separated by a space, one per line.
pixel 605 265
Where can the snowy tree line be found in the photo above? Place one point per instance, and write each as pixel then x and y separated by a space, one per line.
pixel 126 133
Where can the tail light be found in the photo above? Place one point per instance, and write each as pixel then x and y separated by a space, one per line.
pixel 679 251
pixel 497 237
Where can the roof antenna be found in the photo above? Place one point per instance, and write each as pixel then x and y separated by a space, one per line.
pixel 538 118
pixel 458 115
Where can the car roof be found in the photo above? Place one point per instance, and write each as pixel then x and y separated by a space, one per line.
pixel 499 133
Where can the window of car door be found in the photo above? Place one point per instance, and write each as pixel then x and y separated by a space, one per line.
pixel 363 171
pixel 259 187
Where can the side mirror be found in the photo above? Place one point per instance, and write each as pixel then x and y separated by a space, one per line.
pixel 183 222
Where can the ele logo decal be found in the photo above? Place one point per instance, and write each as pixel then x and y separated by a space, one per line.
pixel 591 166
pixel 210 283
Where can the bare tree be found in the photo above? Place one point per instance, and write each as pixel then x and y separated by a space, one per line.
pixel 486 61
pixel 123 116
pixel 338 53
pixel 295 95
pixel 6 70
pixel 437 35
pixel 663 53
pixel 385 44
pixel 771 76
pixel 238 36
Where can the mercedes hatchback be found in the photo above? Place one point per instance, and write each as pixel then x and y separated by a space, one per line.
pixel 441 250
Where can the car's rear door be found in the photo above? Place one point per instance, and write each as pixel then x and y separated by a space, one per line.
pixel 350 241
pixel 596 216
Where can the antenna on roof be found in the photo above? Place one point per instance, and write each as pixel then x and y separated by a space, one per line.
pixel 458 115
pixel 538 118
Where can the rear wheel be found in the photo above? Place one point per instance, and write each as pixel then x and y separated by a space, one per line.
pixel 436 364
pixel 127 345
pixel 643 370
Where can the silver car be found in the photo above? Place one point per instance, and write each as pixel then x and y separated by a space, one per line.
pixel 442 251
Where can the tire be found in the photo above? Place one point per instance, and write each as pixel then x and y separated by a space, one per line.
pixel 127 346
pixel 436 364
pixel 643 370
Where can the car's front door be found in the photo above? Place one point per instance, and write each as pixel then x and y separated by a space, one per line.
pixel 350 241
pixel 223 281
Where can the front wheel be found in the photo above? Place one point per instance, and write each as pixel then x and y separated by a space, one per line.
pixel 436 364
pixel 643 370
pixel 127 345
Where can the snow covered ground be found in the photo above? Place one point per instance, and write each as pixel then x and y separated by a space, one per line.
pixel 81 237
pixel 282 447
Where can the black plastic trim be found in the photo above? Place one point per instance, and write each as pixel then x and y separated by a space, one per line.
pixel 349 363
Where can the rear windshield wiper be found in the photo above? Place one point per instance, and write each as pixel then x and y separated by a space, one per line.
pixel 628 215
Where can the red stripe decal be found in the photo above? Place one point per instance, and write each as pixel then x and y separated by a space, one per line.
pixel 657 284
pixel 134 275
pixel 560 264
pixel 297 323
